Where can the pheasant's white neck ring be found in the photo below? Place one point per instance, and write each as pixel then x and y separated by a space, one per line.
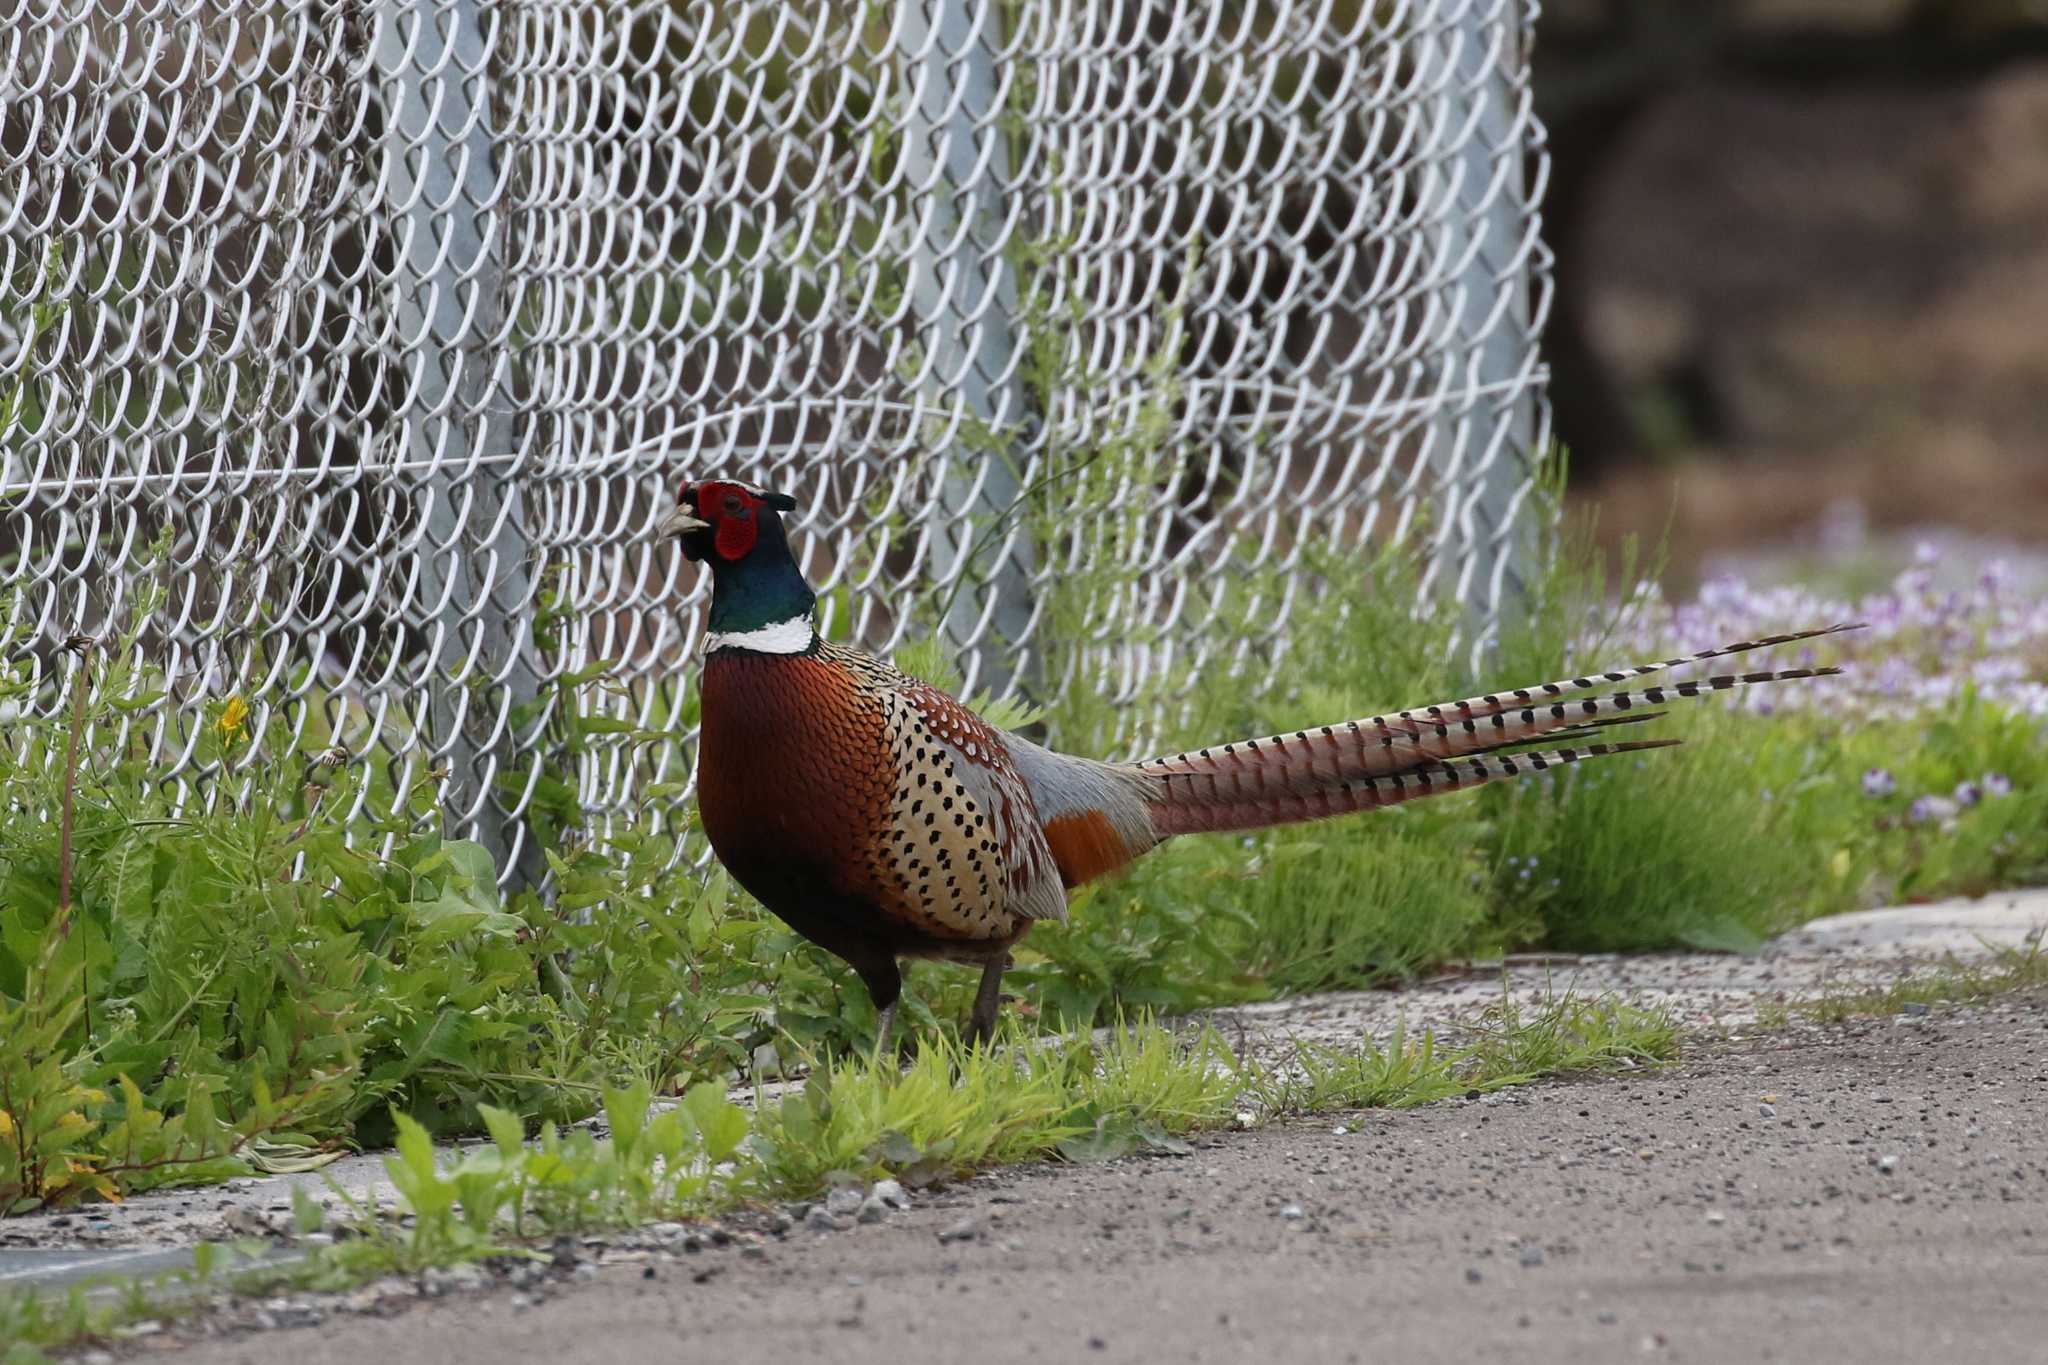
pixel 793 636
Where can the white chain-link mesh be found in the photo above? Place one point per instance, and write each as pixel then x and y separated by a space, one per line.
pixel 402 319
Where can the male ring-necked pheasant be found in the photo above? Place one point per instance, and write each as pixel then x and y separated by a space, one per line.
pixel 883 820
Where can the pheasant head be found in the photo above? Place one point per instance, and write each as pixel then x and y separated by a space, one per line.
pixel 724 520
pixel 759 599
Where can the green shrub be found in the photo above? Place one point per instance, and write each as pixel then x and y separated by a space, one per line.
pixel 190 991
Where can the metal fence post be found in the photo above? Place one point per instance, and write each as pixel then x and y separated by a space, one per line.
pixel 1489 465
pixel 956 159
pixel 444 184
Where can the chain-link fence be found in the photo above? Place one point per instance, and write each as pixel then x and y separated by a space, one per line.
pixel 381 332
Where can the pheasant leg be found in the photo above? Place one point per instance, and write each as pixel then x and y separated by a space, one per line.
pixel 981 1024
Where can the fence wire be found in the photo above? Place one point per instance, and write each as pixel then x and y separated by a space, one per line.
pixel 380 334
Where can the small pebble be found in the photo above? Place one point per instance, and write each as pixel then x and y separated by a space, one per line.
pixel 818 1220
pixel 844 1201
pixel 1293 1211
pixel 1769 1111
pixel 890 1193
pixel 1531 1255
pixel 1887 1164
pixel 1472 1275
pixel 965 1230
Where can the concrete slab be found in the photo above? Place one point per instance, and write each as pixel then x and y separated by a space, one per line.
pixel 53 1268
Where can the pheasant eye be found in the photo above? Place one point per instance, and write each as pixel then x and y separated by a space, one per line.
pixel 733 505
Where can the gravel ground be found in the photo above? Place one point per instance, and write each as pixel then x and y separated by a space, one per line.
pixel 1871 1192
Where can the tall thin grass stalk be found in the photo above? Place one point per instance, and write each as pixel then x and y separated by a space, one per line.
pixel 81 681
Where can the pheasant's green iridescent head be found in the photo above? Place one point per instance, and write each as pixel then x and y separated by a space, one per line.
pixel 723 520
pixel 759 599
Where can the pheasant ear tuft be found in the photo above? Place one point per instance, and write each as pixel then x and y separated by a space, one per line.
pixel 781 502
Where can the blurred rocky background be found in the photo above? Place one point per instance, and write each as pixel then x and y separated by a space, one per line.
pixel 1803 273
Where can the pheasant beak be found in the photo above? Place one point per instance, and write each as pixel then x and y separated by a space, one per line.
pixel 682 521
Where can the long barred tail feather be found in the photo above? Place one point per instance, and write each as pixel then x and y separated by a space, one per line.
pixel 1582 730
pixel 1498 703
pixel 1370 793
pixel 1312 773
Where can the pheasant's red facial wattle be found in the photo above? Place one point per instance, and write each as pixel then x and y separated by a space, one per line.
pixel 737 532
pixel 732 513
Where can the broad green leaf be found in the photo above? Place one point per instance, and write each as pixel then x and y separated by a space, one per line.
pixel 505 1129
pixel 722 1124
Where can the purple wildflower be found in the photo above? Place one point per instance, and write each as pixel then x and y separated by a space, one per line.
pixel 1879 782
pixel 1968 793
pixel 1996 785
pixel 1927 809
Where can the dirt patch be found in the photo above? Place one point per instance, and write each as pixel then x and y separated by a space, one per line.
pixel 1875 1192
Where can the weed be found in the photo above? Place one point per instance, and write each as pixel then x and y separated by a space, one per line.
pixel 1510 1044
pixel 1953 982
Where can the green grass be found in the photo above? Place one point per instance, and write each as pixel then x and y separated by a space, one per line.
pixel 1951 982
pixel 1509 1045
pixel 949 1112
pixel 1669 849
pixel 204 1006
pixel 189 993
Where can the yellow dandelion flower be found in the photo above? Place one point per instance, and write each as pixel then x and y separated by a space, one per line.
pixel 233 716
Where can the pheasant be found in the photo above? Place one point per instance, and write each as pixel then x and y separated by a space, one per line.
pixel 884 820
